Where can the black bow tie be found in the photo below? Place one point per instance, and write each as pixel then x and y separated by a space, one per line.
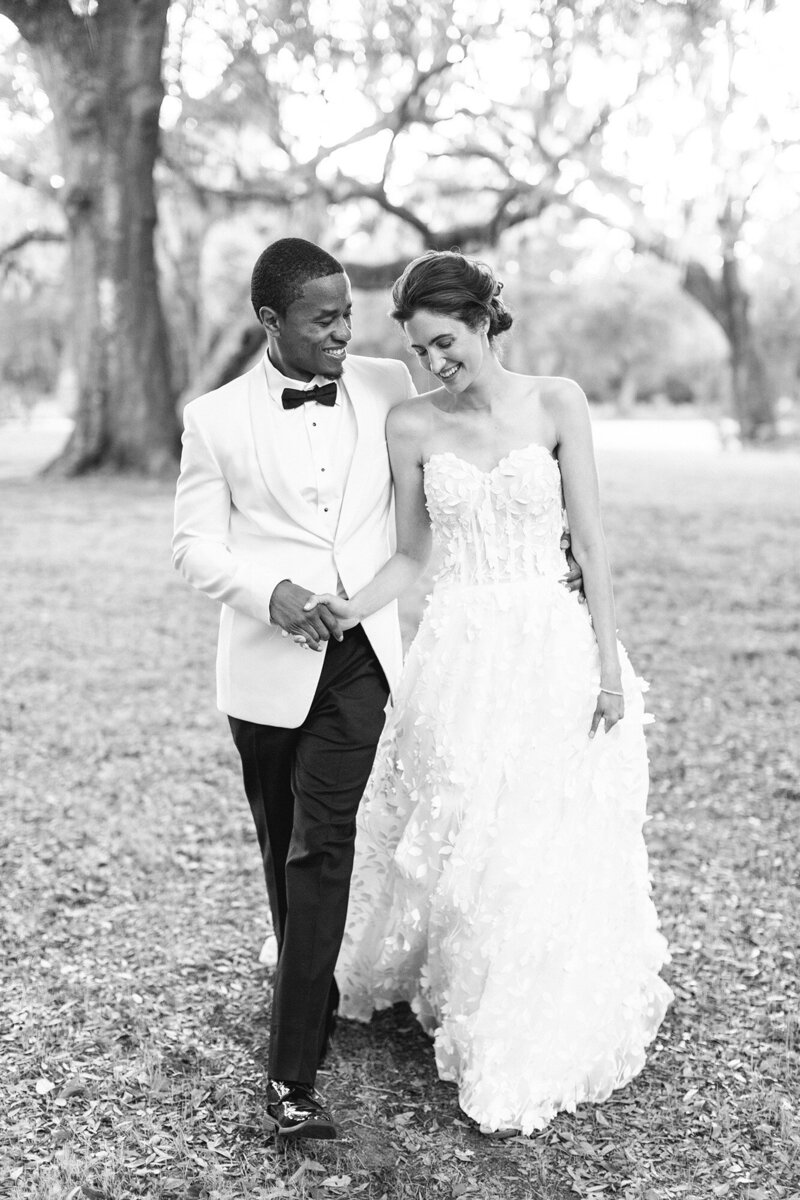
pixel 323 393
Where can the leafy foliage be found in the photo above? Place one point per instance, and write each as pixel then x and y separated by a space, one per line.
pixel 380 127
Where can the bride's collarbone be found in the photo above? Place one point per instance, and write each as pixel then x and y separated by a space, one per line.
pixel 486 440
pixel 487 453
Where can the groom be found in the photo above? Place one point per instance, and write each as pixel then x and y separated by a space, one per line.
pixel 285 491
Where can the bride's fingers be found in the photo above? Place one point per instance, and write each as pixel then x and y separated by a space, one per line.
pixel 315 601
pixel 596 719
pixel 322 598
pixel 330 622
pixel 613 719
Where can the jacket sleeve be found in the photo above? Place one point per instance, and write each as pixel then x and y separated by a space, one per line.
pixel 408 383
pixel 200 550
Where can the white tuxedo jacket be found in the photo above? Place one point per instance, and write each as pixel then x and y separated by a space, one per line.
pixel 242 526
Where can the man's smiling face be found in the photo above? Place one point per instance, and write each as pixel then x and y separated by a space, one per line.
pixel 312 335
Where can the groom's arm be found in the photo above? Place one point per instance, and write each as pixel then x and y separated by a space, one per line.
pixel 200 550
pixel 201 553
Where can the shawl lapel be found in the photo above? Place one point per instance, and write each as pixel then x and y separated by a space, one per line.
pixel 274 463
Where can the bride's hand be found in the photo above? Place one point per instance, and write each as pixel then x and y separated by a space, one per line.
pixel 609 709
pixel 337 605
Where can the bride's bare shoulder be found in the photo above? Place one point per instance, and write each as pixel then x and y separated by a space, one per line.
pixel 563 399
pixel 559 391
pixel 412 417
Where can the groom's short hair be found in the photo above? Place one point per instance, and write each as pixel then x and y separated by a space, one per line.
pixel 283 270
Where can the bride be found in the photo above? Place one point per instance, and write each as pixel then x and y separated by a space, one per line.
pixel 500 883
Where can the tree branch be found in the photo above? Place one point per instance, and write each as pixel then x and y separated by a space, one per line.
pixel 474 150
pixel 696 280
pixel 394 121
pixel 30 235
pixel 372 277
pixel 22 174
pixel 273 190
pixel 375 192
pixel 403 114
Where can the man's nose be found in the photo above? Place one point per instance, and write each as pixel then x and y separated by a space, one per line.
pixel 343 332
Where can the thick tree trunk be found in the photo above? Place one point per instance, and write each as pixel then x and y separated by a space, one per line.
pixel 626 395
pixel 726 299
pixel 102 75
pixel 753 396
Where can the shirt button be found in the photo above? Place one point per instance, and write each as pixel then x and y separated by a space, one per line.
pixel 314 423
pixel 322 469
pixel 324 510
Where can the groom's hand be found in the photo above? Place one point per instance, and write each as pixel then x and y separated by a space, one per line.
pixel 286 610
pixel 573 580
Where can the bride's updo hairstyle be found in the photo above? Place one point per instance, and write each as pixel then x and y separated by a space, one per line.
pixel 446 282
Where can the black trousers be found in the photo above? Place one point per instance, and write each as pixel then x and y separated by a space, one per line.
pixel 304 786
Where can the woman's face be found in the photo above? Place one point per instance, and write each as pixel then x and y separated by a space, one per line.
pixel 448 348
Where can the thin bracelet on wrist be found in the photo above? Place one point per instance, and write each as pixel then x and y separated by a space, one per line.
pixel 611 692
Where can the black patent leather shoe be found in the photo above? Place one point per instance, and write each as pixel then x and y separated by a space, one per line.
pixel 295 1110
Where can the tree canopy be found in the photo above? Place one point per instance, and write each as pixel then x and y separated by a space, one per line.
pixel 381 127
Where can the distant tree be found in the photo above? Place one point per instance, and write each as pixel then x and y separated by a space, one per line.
pixel 624 334
pixel 100 65
pixel 466 121
pixel 776 302
pixel 728 135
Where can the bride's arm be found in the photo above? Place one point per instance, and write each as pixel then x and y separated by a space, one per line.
pixel 405 428
pixel 582 498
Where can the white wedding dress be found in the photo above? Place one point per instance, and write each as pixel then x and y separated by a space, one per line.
pixel 500 882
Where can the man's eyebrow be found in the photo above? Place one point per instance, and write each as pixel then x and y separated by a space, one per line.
pixel 333 312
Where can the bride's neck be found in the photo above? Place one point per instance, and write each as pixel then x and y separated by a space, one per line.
pixel 487 390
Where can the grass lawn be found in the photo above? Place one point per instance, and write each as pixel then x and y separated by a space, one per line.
pixel 132 1006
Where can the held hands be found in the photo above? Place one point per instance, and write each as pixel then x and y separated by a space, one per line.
pixel 610 708
pixel 339 608
pixel 573 580
pixel 307 625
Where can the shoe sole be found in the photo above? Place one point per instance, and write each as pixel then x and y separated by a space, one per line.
pixel 308 1129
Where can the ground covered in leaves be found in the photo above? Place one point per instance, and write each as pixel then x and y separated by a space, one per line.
pixel 132 1006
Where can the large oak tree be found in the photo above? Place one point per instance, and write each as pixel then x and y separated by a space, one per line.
pixel 101 67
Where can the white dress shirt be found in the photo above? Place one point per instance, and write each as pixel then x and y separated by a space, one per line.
pixel 319 442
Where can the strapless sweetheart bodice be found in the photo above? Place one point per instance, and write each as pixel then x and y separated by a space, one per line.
pixel 499 525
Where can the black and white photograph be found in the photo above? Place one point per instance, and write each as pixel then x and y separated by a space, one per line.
pixel 400 528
